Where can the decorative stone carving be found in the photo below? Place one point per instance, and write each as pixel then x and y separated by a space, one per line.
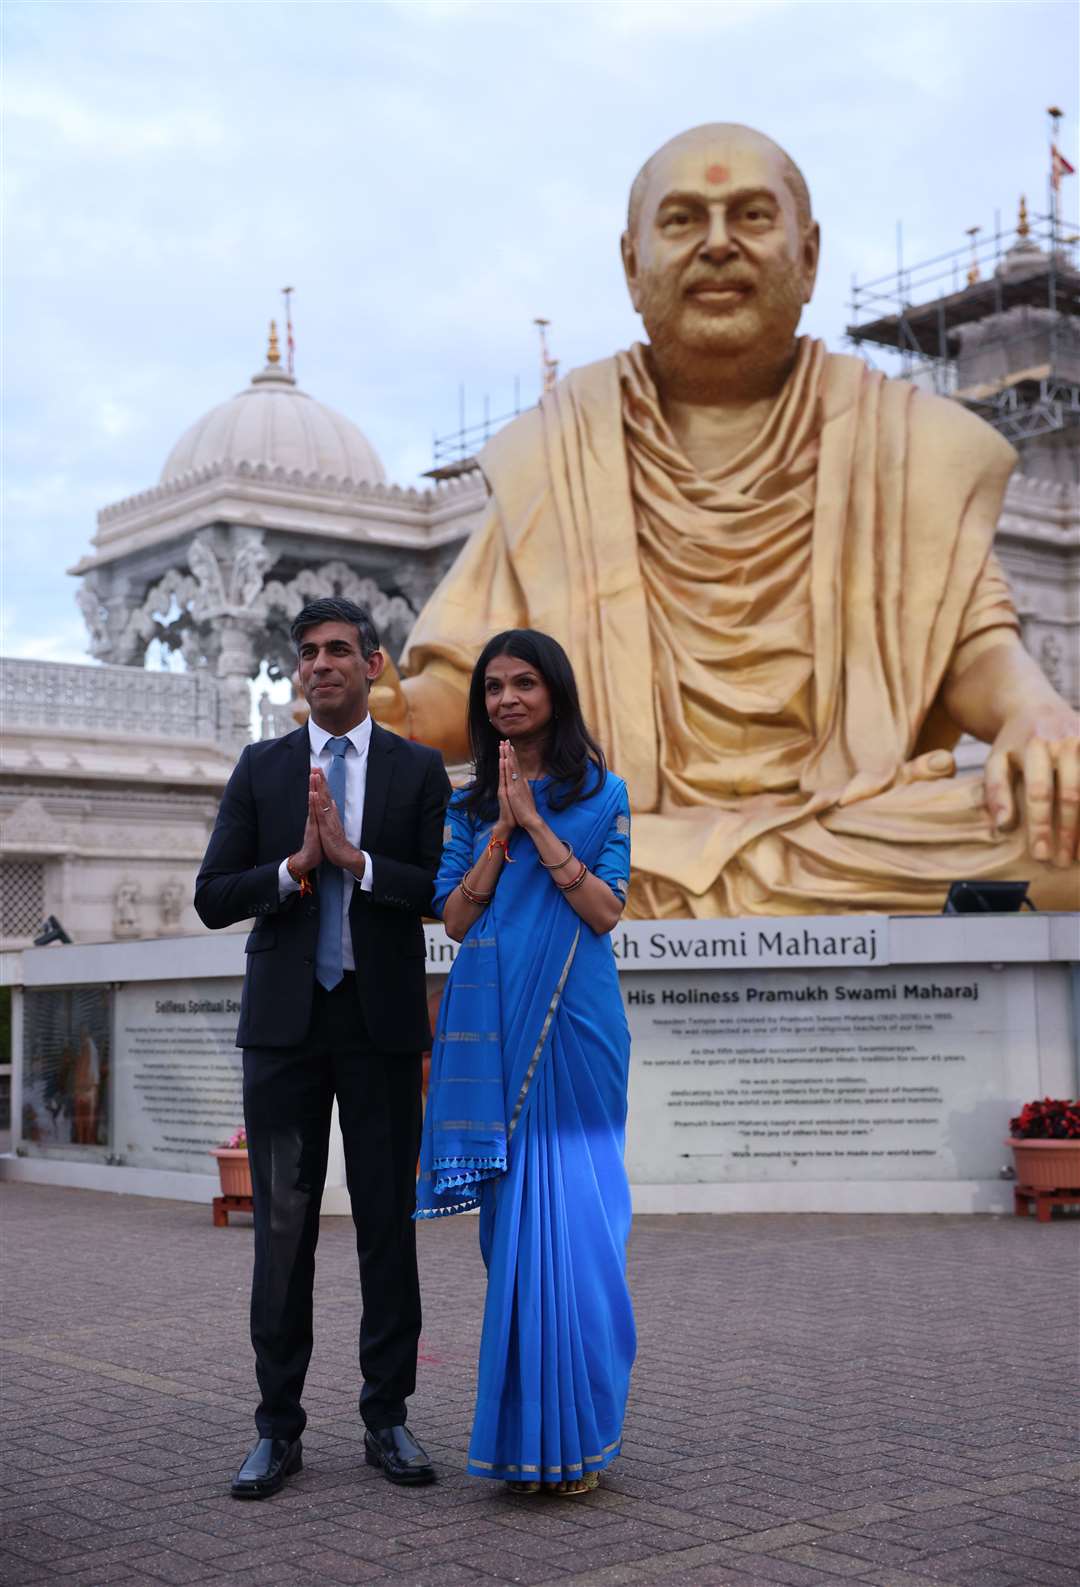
pixel 467 490
pixel 1051 657
pixel 164 614
pixel 393 614
pixel 171 904
pixel 31 829
pixel 227 584
pixel 275 720
pixel 96 617
pixel 225 619
pixel 66 695
pixel 126 901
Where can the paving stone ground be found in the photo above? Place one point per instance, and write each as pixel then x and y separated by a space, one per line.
pixel 818 1400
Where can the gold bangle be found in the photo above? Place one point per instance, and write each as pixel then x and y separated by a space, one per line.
pixel 558 864
pixel 474 898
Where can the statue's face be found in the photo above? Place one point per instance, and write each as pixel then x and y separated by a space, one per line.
pixel 719 264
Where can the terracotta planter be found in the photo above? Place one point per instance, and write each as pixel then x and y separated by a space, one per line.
pixel 1046 1165
pixel 235 1170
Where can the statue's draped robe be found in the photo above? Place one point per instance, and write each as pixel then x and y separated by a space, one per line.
pixel 760 649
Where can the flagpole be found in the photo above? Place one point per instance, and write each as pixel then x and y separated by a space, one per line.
pixel 1055 117
pixel 290 345
pixel 549 367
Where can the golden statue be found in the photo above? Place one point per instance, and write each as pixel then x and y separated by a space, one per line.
pixel 772 570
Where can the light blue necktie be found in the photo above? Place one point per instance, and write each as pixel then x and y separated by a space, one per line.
pixel 329 967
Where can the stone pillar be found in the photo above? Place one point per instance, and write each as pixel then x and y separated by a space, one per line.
pixel 236 667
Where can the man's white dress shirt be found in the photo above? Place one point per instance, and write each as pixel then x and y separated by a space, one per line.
pixel 355 758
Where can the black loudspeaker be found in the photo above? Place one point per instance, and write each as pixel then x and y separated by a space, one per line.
pixel 987 898
pixel 51 931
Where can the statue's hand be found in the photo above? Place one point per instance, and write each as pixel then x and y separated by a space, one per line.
pixel 931 767
pixel 1033 772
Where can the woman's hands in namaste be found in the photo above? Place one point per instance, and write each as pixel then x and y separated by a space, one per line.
pixel 517 807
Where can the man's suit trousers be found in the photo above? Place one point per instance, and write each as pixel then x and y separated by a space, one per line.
pixel 288 1094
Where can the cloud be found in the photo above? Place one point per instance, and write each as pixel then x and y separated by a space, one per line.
pixel 36 111
pixel 429 178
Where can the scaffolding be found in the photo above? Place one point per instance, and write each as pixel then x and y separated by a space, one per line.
pixel 455 454
pixel 995 324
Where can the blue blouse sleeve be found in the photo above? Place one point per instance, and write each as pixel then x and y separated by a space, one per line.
pixel 613 864
pixel 459 842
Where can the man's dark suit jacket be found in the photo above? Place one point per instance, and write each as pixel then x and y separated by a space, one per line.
pixel 261 820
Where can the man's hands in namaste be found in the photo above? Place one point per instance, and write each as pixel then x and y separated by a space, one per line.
pixel 324 835
pixel 517 807
pixel 1033 773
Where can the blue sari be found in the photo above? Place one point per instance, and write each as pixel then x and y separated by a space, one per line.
pixel 526 1119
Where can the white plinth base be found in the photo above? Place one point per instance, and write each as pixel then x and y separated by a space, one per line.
pixel 104 1176
pixel 888 1196
pixel 135 1181
pixel 884 1055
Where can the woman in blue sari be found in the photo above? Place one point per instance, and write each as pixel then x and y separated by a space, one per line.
pixel 526 1109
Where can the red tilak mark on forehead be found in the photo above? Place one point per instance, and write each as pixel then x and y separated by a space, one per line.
pixel 716 173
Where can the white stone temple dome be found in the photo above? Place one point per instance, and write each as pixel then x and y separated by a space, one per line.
pixel 275 423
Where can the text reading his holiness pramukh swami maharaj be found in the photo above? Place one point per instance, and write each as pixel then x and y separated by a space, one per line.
pixel 892 993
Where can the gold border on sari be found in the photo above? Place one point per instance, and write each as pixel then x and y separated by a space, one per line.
pixel 549 1016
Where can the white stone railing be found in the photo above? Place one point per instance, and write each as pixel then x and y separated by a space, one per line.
pixel 70 696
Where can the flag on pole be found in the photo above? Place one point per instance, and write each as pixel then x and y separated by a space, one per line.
pixel 1059 167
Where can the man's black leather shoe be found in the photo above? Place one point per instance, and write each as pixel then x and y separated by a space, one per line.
pixel 400 1456
pixel 266 1467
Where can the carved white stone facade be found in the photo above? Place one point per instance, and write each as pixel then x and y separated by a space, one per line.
pixel 1038 543
pixel 111 775
pixel 270 500
pixel 85 705
pixel 109 785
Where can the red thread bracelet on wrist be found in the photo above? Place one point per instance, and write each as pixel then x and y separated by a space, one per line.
pixel 303 879
pixel 499 843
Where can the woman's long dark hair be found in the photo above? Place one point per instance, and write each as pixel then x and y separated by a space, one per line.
pixel 572 756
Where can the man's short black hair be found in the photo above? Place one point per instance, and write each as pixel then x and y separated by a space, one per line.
pixel 335 609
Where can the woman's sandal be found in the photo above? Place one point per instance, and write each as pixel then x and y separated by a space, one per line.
pixel 575 1487
pixel 520 1488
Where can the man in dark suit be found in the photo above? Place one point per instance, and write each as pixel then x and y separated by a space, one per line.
pixel 330 838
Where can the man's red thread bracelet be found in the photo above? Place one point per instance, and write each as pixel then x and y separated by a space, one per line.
pixel 303 878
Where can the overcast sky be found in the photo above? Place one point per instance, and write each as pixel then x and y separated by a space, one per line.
pixel 429 177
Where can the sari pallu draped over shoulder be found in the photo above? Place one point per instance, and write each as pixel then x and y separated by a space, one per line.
pixel 495 1020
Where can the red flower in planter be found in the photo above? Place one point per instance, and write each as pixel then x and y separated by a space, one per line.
pixel 1048 1120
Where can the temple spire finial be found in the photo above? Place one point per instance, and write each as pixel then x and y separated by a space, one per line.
pixel 1023 229
pixel 273 355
